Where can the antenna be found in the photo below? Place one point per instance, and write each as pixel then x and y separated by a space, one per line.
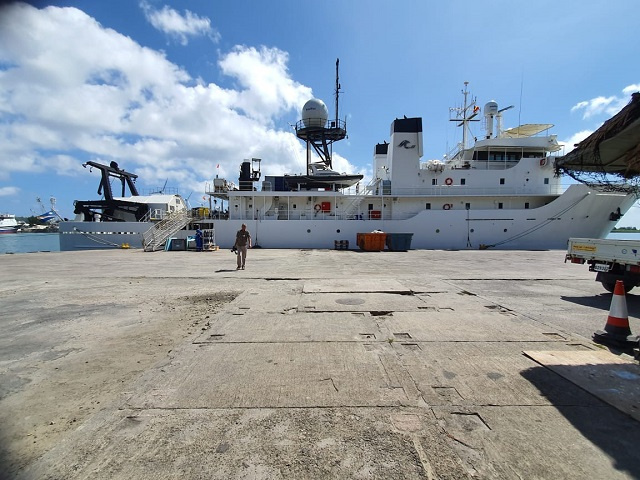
pixel 520 106
pixel 460 114
pixel 499 120
pixel 337 88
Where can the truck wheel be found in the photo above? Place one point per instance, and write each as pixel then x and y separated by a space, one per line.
pixel 611 286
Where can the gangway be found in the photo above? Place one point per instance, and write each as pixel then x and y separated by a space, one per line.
pixel 155 238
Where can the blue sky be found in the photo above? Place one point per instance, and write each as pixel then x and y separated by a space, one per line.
pixel 173 89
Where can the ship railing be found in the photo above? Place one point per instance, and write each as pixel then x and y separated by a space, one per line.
pixel 155 238
pixel 154 215
pixel 293 215
pixel 464 190
pixel 160 191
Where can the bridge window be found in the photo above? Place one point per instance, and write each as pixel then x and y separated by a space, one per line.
pixel 500 206
pixel 463 181
pixel 427 206
pixel 434 181
pixel 502 181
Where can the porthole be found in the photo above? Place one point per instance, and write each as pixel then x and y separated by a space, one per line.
pixel 437 230
pixel 338 231
pixel 308 230
pixel 505 230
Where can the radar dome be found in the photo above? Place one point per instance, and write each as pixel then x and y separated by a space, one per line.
pixel 491 108
pixel 314 113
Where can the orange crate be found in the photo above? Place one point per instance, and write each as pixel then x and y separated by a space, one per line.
pixel 371 242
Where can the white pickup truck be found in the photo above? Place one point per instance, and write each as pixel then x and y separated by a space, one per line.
pixel 611 260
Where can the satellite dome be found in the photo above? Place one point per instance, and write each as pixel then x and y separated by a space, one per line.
pixel 314 113
pixel 491 108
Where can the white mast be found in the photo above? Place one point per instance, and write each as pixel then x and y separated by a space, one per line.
pixel 461 115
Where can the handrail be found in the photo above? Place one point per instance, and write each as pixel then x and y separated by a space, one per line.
pixel 350 209
pixel 155 238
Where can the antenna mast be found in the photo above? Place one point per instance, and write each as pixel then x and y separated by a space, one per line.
pixel 469 106
pixel 337 88
pixel 316 131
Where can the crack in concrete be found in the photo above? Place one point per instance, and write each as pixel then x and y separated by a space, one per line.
pixel 332 382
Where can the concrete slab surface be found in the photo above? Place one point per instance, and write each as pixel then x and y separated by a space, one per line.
pixel 461 325
pixel 270 375
pixel 377 284
pixel 359 302
pixel 607 376
pixel 309 364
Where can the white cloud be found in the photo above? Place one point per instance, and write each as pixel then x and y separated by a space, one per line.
pixel 8 191
pixel 268 90
pixel 576 138
pixel 72 90
pixel 605 105
pixel 170 22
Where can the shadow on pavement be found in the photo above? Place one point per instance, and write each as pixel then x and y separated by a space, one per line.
pixel 610 430
pixel 603 302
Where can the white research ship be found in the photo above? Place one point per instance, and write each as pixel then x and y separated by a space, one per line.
pixel 499 192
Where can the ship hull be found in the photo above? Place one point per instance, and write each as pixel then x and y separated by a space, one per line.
pixel 580 211
pixel 101 235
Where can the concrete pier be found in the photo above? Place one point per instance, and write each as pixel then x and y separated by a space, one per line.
pixel 312 364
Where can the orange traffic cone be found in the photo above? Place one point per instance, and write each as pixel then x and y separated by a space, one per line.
pixel 617 331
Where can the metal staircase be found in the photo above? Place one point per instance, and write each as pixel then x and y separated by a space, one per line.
pixel 155 238
pixel 352 208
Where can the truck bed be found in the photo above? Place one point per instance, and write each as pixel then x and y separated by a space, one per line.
pixel 625 252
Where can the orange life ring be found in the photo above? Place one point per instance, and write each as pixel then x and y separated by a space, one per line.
pixel 447 206
pixel 448 181
pixel 317 207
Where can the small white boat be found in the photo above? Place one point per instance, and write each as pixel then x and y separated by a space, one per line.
pixel 8 223
pixel 321 176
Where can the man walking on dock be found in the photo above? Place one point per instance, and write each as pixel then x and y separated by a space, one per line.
pixel 243 240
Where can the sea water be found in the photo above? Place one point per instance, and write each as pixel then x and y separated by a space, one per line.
pixel 29 242
pixel 49 242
